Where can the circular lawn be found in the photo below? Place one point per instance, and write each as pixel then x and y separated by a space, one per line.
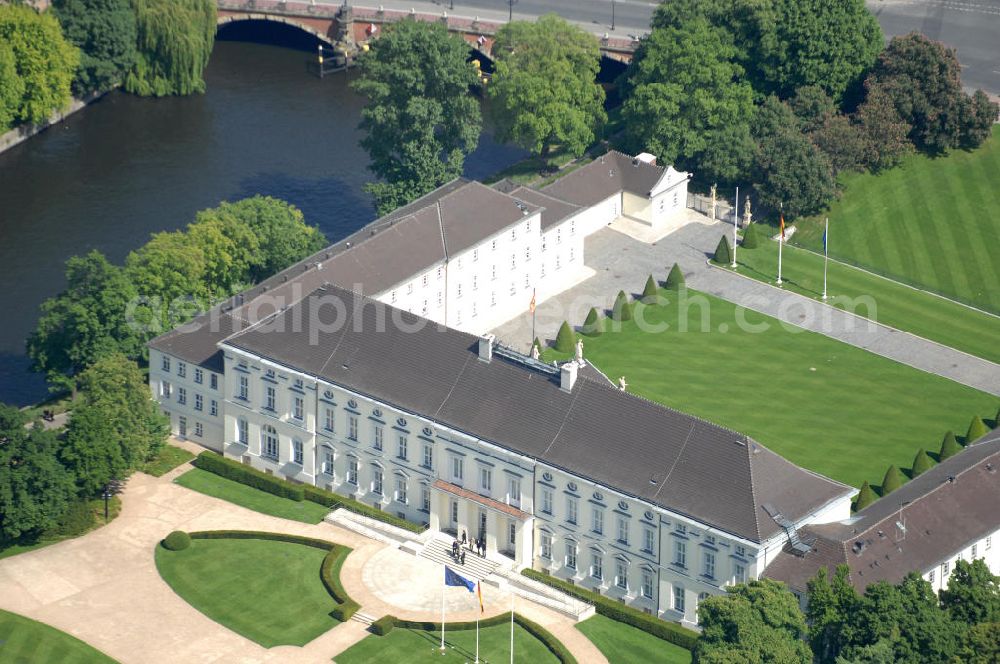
pixel 268 591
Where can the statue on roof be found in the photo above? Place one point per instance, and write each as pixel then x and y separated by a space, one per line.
pixel 579 350
pixel 621 383
pixel 534 351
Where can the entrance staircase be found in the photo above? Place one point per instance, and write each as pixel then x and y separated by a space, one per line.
pixel 475 568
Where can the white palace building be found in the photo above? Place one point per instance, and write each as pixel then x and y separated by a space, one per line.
pixel 367 369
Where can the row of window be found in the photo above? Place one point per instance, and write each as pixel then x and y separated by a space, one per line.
pixel 973 555
pixel 167 390
pixel 623 527
pixel 182 427
pixel 199 374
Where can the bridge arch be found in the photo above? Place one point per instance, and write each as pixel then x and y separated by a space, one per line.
pixel 302 24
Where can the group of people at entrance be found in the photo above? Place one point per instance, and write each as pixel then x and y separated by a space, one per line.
pixel 458 548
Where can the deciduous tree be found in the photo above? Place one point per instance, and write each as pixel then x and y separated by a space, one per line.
pixel 544 90
pixel 44 60
pixel 832 602
pixel 11 88
pixel 688 103
pixel 420 122
pixel 756 622
pixel 35 489
pixel 175 40
pixel 86 321
pixel 980 644
pixel 105 32
pixel 885 132
pixel 973 593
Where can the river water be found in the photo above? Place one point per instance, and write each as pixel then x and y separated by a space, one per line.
pixel 126 167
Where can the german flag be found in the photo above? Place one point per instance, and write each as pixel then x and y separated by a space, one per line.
pixel 782 226
pixel 479 594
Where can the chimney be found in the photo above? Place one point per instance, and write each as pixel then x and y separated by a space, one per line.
pixel 486 347
pixel 567 376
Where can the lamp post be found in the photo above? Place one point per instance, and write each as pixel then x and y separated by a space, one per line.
pixel 510 10
pixel 612 14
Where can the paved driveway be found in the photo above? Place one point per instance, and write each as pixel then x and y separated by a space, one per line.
pixel 104 588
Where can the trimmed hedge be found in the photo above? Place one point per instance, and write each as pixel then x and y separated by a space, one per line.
pixel 723 254
pixel 594 324
pixel 177 541
pixel 387 623
pixel 865 497
pixel 622 308
pixel 949 446
pixel 565 339
pixel 238 472
pixel 750 239
pixel 330 499
pixel 668 631
pixel 977 429
pixel 675 280
pixel 892 480
pixel 329 571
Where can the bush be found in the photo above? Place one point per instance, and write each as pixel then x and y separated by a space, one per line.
pixel 383 625
pixel 921 463
pixel 750 237
pixel 622 309
pixel 865 497
pixel 949 446
pixel 650 292
pixel 675 280
pixel 177 541
pixel 723 254
pixel 996 420
pixel 565 339
pixel 892 480
pixel 610 608
pixel 977 429
pixel 594 325
pixel 334 500
pixel 78 519
pixel 238 472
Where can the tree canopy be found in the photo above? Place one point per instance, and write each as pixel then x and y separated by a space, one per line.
pixel 755 622
pixel 420 122
pixel 105 32
pixel 44 64
pixel 84 322
pixel 175 40
pixel 544 89
pixel 35 489
pixel 688 103
pixel 973 593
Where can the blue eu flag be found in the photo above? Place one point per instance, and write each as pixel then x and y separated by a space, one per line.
pixel 452 578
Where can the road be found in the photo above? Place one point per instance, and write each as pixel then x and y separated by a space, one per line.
pixel 972 27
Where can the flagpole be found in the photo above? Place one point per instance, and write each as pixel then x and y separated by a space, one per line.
pixel 826 252
pixel 443 568
pixel 781 241
pixel 477 626
pixel 736 223
pixel 533 319
pixel 512 627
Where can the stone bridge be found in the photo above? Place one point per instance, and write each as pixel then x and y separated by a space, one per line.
pixel 353 26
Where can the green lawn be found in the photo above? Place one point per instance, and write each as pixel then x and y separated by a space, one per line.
pixel 415 646
pixel 211 484
pixel 166 460
pixel 624 644
pixel 932 222
pixel 268 591
pixel 896 305
pixel 25 641
pixel 830 407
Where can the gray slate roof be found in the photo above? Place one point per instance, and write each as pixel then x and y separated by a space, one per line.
pixel 945 509
pixel 554 210
pixel 668 458
pixel 606 175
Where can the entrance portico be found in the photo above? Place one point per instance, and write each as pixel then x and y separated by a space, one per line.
pixel 506 529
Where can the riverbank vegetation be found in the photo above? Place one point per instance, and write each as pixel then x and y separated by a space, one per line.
pixel 174 42
pixel 105 33
pixel 420 121
pixel 37 65
pixel 109 308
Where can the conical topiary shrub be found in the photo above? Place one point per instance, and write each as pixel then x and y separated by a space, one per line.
pixel 892 480
pixel 594 325
pixel 996 420
pixel 750 239
pixel 622 309
pixel 565 339
pixel 723 254
pixel 921 463
pixel 865 497
pixel 675 280
pixel 949 446
pixel 650 292
pixel 977 429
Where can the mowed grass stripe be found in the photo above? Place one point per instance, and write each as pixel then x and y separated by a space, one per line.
pixel 26 641
pixel 827 406
pixel 929 222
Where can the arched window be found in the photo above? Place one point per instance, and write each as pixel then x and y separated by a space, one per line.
pixel 268 442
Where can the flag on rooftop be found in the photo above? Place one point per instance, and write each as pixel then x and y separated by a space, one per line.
pixel 453 578
pixel 531 306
